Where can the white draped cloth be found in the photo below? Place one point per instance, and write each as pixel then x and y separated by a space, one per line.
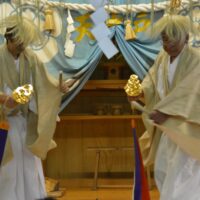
pixel 22 178
pixel 177 174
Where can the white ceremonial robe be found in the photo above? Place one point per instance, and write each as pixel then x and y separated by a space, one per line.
pixel 22 178
pixel 177 174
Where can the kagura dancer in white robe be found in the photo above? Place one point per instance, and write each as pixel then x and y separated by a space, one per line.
pixel 31 125
pixel 172 95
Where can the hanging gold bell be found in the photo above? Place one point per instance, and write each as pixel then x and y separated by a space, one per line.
pixel 129 32
pixel 49 24
pixel 23 94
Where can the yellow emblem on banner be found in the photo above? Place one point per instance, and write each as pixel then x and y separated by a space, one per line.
pixel 114 20
pixel 141 23
pixel 84 28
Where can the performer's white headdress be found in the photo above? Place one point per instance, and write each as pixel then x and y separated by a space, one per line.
pixel 22 29
pixel 176 27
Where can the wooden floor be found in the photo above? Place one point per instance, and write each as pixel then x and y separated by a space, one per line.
pixel 103 194
pixel 108 189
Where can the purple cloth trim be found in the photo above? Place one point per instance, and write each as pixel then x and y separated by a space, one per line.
pixel 3 137
pixel 137 177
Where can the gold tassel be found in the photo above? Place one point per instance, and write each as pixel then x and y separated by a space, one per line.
pixel 49 24
pixel 129 32
pixel 175 4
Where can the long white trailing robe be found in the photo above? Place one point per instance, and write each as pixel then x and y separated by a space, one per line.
pixel 186 142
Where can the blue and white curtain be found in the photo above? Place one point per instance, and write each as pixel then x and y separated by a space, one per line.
pixel 139 53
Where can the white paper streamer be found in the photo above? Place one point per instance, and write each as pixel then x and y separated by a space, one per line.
pixel 69 44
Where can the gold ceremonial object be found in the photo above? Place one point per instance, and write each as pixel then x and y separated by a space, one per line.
pixel 133 86
pixel 22 94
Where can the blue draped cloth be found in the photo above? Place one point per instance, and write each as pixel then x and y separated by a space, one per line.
pixel 139 53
